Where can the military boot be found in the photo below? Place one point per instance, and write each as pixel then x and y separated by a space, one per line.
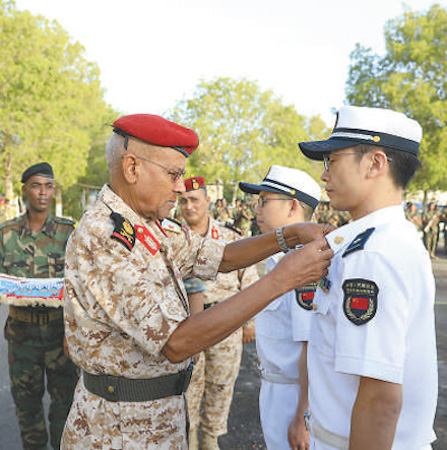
pixel 209 442
pixel 193 439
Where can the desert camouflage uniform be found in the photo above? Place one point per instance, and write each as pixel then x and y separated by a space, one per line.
pixel 36 349
pixel 216 370
pixel 121 306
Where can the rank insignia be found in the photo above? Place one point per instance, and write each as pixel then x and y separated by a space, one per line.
pixel 214 233
pixel 305 296
pixel 360 300
pixel 359 242
pixel 123 232
pixel 325 284
pixel 147 239
pixel 171 225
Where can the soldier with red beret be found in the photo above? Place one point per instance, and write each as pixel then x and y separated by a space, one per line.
pixel 127 317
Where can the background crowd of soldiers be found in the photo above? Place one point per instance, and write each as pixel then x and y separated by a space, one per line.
pixel 431 222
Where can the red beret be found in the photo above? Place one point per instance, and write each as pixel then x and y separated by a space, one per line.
pixel 194 183
pixel 156 130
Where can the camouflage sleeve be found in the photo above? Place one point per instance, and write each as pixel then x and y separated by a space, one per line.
pixel 198 256
pixel 248 276
pixel 194 285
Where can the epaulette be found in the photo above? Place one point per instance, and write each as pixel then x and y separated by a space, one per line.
pixel 124 232
pixel 11 222
pixel 170 224
pixel 64 221
pixel 233 228
pixel 359 242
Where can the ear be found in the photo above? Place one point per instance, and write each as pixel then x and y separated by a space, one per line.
pixel 130 168
pixel 295 208
pixel 377 164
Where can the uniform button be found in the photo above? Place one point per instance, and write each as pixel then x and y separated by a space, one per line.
pixel 314 306
pixel 140 230
pixel 111 389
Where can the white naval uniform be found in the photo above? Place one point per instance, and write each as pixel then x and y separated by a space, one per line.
pixel 397 345
pixel 281 329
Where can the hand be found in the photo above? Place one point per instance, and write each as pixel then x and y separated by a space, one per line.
pixel 248 334
pixel 297 434
pixel 302 266
pixel 303 233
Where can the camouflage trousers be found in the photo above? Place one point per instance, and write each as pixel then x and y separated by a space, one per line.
pixel 212 385
pixel 36 351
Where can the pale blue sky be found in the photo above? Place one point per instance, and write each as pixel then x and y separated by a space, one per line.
pixel 153 53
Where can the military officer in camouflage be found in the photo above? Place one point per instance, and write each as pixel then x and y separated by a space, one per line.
pixel 33 246
pixel 217 368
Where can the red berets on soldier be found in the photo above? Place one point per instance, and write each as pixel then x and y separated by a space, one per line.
pixel 194 183
pixel 156 130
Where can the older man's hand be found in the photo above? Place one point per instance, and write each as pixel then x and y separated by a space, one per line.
pixel 303 265
pixel 303 233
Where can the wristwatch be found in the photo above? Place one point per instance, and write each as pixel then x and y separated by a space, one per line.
pixel 281 240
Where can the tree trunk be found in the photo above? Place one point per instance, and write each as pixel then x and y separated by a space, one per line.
pixel 9 191
pixel 58 211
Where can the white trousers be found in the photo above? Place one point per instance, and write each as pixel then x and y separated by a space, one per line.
pixel 277 407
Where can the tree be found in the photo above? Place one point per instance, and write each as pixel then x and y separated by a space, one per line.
pixel 411 77
pixel 242 131
pixel 50 97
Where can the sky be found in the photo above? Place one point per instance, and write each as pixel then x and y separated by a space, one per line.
pixel 152 54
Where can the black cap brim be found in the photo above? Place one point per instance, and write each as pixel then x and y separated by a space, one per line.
pixel 316 150
pixel 256 189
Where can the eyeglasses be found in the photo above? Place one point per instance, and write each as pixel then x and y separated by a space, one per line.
pixel 327 161
pixel 262 201
pixel 175 174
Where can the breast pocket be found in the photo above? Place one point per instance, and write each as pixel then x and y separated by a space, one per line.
pixel 56 265
pixel 19 267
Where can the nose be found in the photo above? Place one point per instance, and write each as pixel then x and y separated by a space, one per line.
pixel 179 185
pixel 324 175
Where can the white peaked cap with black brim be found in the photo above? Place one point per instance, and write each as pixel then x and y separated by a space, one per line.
pixel 291 182
pixel 374 126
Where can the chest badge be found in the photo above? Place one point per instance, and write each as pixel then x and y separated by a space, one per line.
pixel 123 232
pixel 147 239
pixel 325 284
pixel 360 300
pixel 305 296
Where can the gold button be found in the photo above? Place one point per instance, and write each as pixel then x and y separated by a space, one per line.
pixel 111 389
pixel 140 230
pixel 314 306
pixel 376 138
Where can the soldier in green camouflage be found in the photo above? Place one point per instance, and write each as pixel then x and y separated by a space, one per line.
pixel 33 246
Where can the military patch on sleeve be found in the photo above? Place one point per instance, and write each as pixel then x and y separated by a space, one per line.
pixel 171 225
pixel 360 300
pixel 233 228
pixel 359 242
pixel 305 296
pixel 123 232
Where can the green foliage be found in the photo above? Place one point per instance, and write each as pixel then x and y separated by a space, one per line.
pixel 411 77
pixel 50 96
pixel 243 131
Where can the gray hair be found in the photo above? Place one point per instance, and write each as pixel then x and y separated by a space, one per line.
pixel 114 148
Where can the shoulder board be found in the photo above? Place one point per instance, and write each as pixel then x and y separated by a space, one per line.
pixel 173 225
pixel 359 242
pixel 124 232
pixel 64 221
pixel 233 228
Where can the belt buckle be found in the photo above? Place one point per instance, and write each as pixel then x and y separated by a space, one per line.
pixel 185 378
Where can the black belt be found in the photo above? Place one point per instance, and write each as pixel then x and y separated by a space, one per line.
pixel 208 305
pixel 120 389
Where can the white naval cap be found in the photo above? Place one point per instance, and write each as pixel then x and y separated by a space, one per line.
pixel 291 182
pixel 375 126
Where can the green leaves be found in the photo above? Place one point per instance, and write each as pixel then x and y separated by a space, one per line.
pixel 242 130
pixel 411 77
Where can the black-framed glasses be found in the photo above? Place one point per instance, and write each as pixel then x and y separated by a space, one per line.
pixel 327 161
pixel 262 201
pixel 175 174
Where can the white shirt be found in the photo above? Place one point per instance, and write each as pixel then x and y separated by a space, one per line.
pixel 397 344
pixel 281 328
